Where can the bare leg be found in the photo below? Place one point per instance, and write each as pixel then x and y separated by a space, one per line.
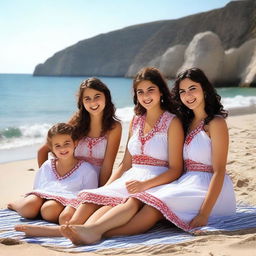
pixel 139 223
pixel 51 210
pixel 115 217
pixel 66 214
pixel 27 207
pixel 98 214
pixel 54 231
pixel 83 212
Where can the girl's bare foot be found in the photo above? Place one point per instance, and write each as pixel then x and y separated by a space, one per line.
pixel 80 234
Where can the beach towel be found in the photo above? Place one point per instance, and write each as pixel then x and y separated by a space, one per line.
pixel 161 234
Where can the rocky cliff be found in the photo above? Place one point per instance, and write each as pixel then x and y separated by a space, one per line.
pixel 214 40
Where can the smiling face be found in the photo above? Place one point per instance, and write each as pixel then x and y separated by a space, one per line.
pixel 191 94
pixel 63 146
pixel 94 101
pixel 148 94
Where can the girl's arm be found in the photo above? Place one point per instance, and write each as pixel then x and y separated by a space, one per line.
pixel 42 154
pixel 126 163
pixel 113 143
pixel 219 136
pixel 175 149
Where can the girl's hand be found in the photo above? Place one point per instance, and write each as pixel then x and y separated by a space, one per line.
pixel 199 221
pixel 135 186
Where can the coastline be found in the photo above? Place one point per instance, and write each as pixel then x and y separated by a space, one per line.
pixel 16 178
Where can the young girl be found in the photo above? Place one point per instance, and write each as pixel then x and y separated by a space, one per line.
pixel 58 180
pixel 204 190
pixel 153 157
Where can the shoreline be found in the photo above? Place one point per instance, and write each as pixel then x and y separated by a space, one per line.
pixel 29 152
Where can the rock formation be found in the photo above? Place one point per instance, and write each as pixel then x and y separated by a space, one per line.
pixel 171 45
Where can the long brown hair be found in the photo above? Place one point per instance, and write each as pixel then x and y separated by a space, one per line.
pixel 81 119
pixel 154 76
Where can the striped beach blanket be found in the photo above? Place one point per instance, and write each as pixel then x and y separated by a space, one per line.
pixel 162 234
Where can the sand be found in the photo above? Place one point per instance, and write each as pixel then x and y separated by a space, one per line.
pixel 16 178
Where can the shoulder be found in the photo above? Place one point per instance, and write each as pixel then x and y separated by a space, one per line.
pixel 117 129
pixel 46 164
pixel 175 122
pixel 217 123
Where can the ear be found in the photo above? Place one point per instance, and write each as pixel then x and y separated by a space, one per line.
pixel 75 143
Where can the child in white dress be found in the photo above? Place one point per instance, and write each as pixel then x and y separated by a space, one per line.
pixel 59 179
pixel 153 157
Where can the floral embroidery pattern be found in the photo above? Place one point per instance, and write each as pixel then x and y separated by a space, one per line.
pixel 191 165
pixel 54 169
pixel 193 133
pixel 147 160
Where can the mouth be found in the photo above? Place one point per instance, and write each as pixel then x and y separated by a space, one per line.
pixel 191 101
pixel 147 101
pixel 95 107
pixel 64 153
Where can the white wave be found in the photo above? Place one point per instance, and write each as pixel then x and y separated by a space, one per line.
pixel 125 114
pixel 30 135
pixel 238 101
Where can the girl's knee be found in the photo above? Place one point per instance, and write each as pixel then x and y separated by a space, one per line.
pixel 30 208
pixel 51 210
pixel 133 202
pixel 66 216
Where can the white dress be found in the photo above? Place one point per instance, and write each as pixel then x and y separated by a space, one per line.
pixel 92 150
pixel 49 184
pixel 180 201
pixel 149 159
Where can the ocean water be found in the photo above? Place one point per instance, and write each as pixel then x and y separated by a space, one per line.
pixel 30 105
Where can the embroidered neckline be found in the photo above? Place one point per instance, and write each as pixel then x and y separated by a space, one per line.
pixel 57 175
pixel 152 131
pixel 194 132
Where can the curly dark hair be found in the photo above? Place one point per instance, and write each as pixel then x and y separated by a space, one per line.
pixel 213 105
pixel 154 76
pixel 59 129
pixel 81 119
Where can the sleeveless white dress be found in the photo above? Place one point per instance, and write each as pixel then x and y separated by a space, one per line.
pixel 92 150
pixel 48 184
pixel 149 159
pixel 180 200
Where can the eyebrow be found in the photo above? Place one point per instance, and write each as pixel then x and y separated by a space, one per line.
pixel 150 87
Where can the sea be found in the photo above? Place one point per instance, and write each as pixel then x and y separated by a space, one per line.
pixel 30 105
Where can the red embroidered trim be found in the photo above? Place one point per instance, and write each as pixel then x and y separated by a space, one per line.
pixel 147 160
pixel 91 142
pixel 161 125
pixel 163 208
pixel 93 161
pixel 191 166
pixel 193 133
pixel 64 201
pixel 54 169
pixel 86 197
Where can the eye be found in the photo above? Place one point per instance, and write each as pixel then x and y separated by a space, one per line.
pixel 181 91
pixel 86 99
pixel 151 89
pixel 192 88
pixel 139 92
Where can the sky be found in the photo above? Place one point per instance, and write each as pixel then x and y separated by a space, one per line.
pixel 31 31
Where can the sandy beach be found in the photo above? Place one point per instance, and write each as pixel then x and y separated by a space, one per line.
pixel 16 178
